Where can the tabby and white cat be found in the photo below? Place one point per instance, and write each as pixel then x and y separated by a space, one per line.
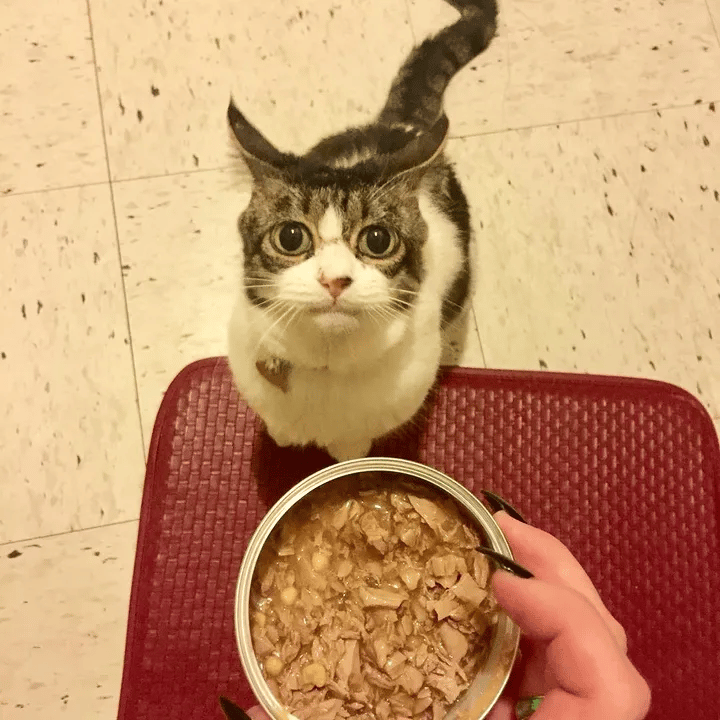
pixel 356 260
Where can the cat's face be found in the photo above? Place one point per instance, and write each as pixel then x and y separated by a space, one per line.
pixel 331 244
pixel 332 257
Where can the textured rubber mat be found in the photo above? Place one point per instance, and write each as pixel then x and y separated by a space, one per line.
pixel 625 472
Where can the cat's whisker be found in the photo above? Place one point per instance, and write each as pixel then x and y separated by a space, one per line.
pixel 293 317
pixel 385 313
pixel 268 303
pixel 375 315
pixel 400 302
pixel 288 309
pixel 454 304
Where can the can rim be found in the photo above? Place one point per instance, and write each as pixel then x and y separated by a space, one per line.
pixel 486 687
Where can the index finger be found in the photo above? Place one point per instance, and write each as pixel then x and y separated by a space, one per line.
pixel 548 559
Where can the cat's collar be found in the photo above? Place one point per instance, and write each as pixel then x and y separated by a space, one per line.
pixel 277 371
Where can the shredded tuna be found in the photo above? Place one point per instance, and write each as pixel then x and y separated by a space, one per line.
pixel 468 590
pixel 377 597
pixel 455 643
pixel 373 605
pixel 411 679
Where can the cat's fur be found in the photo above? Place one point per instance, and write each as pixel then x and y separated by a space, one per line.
pixel 334 346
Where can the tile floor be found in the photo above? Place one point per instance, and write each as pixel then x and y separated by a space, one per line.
pixel 587 138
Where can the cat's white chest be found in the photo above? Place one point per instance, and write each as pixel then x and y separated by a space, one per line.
pixel 341 411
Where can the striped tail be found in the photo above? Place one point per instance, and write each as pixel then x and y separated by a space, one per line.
pixel 416 95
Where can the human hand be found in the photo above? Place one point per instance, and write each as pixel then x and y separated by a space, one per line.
pixel 574 651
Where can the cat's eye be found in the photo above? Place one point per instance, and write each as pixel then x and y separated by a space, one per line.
pixel 292 238
pixel 377 241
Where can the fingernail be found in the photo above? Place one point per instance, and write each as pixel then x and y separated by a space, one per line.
pixel 497 504
pixel 506 563
pixel 231 710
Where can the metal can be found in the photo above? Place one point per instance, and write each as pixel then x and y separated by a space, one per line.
pixel 487 686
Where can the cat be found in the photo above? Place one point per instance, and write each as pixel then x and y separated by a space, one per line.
pixel 356 260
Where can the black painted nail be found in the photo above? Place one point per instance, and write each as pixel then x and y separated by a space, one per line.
pixel 232 711
pixel 497 504
pixel 506 563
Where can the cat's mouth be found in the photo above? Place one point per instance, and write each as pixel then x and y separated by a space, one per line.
pixel 339 306
pixel 334 310
pixel 335 318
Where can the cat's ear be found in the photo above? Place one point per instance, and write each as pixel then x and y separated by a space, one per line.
pixel 418 154
pixel 232 711
pixel 261 156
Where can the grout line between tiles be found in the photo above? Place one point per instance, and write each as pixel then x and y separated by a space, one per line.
pixel 194 171
pixel 5 543
pixel 55 188
pixel 410 22
pixel 479 337
pixel 712 21
pixel 631 113
pixel 117 229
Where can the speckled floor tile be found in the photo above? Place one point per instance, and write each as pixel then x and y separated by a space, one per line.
pixel 50 134
pixel 63 615
pixel 598 247
pixel 71 454
pixel 299 70
pixel 556 61
pixel 181 252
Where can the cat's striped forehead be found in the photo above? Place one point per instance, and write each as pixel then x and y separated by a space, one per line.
pixel 331 210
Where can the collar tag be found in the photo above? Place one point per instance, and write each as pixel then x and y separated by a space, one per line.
pixel 276 372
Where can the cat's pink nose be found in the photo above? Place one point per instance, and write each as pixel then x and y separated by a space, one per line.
pixel 336 285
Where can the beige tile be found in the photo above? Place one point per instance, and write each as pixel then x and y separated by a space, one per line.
pixel 63 614
pixel 299 70
pixel 588 263
pixel 180 249
pixel 566 61
pixel 71 455
pixel 635 55
pixel 50 134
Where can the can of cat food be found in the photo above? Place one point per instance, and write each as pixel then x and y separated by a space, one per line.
pixel 485 687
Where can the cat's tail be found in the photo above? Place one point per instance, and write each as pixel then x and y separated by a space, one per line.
pixel 416 95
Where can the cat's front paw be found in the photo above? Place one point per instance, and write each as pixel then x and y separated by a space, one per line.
pixel 349 450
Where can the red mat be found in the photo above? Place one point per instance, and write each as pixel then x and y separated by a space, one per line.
pixel 625 472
